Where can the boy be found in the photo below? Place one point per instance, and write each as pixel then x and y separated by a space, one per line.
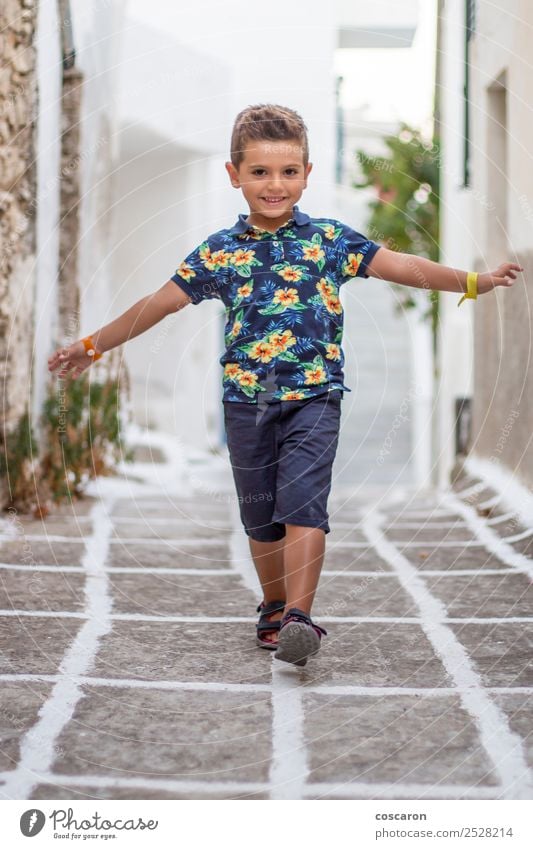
pixel 278 273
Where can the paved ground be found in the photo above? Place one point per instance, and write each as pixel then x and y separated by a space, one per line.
pixel 129 669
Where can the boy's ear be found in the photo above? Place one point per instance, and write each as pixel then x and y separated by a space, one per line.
pixel 307 171
pixel 233 175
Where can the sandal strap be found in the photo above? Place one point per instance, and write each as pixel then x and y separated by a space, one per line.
pixel 297 615
pixel 264 625
pixel 271 607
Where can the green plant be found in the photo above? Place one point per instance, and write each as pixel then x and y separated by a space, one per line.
pixel 18 464
pixel 81 434
pixel 405 215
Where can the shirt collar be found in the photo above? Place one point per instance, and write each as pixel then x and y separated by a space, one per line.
pixel 299 218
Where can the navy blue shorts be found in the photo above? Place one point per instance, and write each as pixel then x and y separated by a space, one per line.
pixel 281 455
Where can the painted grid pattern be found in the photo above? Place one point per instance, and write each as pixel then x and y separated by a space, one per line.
pixel 299 704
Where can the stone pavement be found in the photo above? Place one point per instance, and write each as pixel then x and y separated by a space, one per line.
pixel 128 666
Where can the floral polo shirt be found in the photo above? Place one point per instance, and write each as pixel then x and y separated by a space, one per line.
pixel 284 318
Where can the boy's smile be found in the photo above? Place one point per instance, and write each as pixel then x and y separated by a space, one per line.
pixel 272 176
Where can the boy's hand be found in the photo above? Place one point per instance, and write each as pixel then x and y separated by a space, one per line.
pixel 72 360
pixel 504 275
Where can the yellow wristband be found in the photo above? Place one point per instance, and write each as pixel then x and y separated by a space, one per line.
pixel 90 348
pixel 471 286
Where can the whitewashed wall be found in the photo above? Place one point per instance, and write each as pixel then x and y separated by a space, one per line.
pixel 48 142
pixel 459 209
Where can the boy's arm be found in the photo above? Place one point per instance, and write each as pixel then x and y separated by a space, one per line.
pixel 136 320
pixel 423 273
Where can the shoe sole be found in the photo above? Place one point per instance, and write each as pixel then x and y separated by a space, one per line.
pixel 296 643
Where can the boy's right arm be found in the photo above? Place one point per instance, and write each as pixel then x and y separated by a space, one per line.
pixel 73 359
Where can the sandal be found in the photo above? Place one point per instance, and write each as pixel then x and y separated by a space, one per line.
pixel 299 637
pixel 265 625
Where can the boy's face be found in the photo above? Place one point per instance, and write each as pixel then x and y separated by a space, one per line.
pixel 272 176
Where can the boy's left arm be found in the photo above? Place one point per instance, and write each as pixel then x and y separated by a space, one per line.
pixel 422 273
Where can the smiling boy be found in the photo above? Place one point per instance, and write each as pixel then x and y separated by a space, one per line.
pixel 278 273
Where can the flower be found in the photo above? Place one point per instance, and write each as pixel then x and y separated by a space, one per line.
pixel 333 304
pixel 314 253
pixel 242 257
pixel 219 259
pixel 333 351
pixel 315 375
pixel 325 287
pixel 247 378
pixel 235 330
pixel 286 296
pixel 293 396
pixel 281 341
pixel 262 351
pixel 205 252
pixel 244 290
pixel 291 274
pixel 232 370
pixel 185 271
pixel 351 266
pixel 329 231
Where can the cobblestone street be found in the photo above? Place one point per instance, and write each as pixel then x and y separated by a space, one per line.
pixel 129 667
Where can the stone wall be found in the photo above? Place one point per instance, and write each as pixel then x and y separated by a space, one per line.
pixel 17 203
pixel 69 234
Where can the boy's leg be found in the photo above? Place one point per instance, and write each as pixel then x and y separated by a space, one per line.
pixel 268 561
pixel 252 447
pixel 307 452
pixel 303 557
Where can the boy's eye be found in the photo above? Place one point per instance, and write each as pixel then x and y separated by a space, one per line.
pixel 258 172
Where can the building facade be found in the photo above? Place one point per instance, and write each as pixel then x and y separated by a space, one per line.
pixel 487 218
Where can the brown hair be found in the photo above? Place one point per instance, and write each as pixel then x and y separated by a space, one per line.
pixel 267 122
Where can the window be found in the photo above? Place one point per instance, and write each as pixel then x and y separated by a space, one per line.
pixel 470 26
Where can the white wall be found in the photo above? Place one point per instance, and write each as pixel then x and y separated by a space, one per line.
pixel 49 75
pixel 96 28
pixel 459 210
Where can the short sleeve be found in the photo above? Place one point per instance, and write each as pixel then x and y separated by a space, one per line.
pixel 354 253
pixel 202 273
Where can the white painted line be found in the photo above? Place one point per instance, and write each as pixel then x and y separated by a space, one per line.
pixel 504 747
pixel 214 541
pixel 402 791
pixel 377 790
pixel 129 570
pixel 126 541
pixel 37 747
pixel 473 489
pixel 155 520
pixel 491 540
pixel 459 543
pixel 139 617
pixel 442 572
pixel 390 528
pixel 289 768
pixel 512 493
pixel 143 684
pixel 503 517
pixel 517 537
pixel 17 567
pixel 377 692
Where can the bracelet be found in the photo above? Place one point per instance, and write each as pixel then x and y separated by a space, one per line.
pixel 471 286
pixel 90 348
